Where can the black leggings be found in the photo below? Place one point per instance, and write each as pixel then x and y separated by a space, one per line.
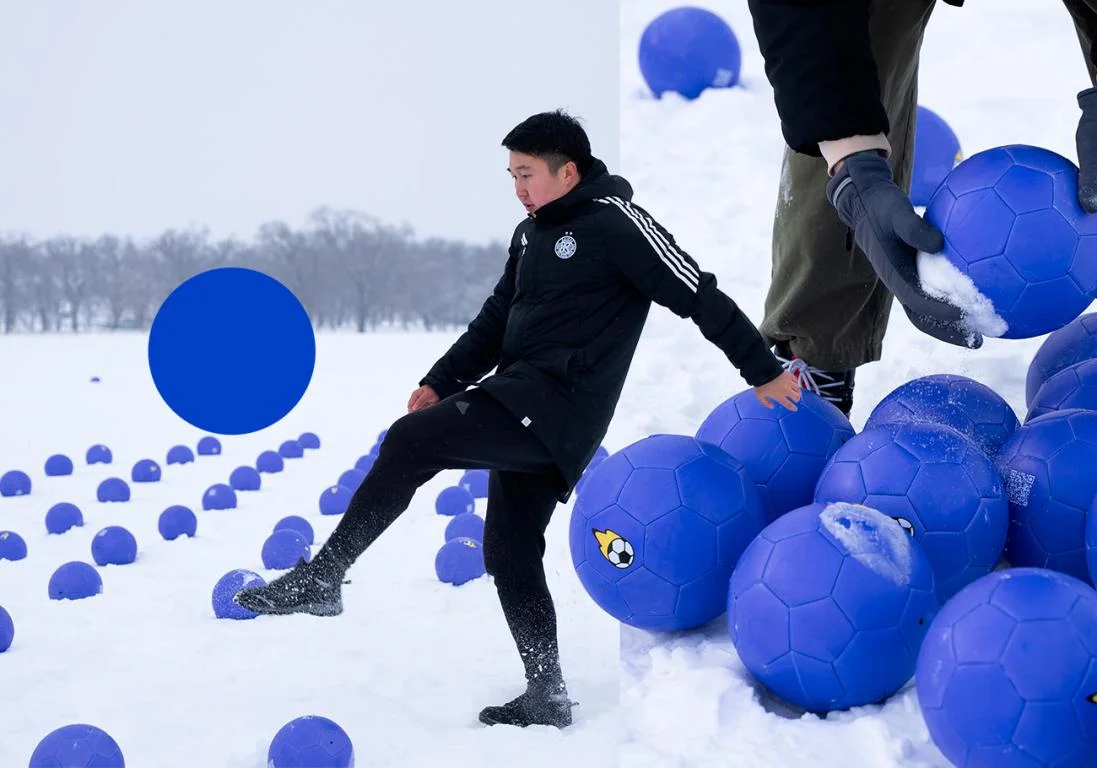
pixel 471 430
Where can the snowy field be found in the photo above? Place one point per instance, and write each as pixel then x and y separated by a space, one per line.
pixel 404 670
pixel 1000 73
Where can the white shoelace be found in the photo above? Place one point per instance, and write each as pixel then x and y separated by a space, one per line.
pixel 806 374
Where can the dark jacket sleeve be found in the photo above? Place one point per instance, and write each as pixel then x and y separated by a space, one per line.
pixel 478 350
pixel 819 60
pixel 651 260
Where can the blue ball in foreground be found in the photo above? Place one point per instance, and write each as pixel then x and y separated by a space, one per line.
pixel 459 561
pixel 1007 674
pixel 311 742
pixel 14 482
pixel 658 529
pixel 62 516
pixel 829 606
pixel 231 350
pixel 177 520
pixel 227 587
pixel 77 746
pixel 688 50
pixel 12 546
pixel 75 580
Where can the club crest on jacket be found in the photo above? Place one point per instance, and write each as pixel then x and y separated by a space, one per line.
pixel 565 246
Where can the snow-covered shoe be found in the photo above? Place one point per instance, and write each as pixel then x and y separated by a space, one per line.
pixel 833 386
pixel 537 706
pixel 302 590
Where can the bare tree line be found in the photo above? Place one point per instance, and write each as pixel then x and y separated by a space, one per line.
pixel 347 269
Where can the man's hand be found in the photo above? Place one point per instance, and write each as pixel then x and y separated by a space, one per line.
pixel 423 397
pixel 890 232
pixel 784 390
pixel 1086 139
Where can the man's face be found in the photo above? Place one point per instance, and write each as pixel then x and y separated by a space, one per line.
pixel 535 184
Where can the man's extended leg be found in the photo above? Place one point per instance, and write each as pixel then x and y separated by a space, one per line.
pixel 824 300
pixel 520 506
pixel 469 430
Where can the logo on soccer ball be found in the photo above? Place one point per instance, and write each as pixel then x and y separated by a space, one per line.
pixel 906 525
pixel 565 246
pixel 614 548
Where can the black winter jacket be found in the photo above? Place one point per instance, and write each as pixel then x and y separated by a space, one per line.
pixel 564 320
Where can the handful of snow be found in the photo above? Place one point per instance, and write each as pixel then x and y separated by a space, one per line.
pixel 872 538
pixel 942 280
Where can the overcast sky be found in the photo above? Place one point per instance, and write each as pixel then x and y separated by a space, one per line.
pixel 134 116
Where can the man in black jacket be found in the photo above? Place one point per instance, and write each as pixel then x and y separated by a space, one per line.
pixel 560 330
pixel 845 76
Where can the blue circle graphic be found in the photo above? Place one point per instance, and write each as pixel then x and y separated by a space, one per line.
pixel 231 351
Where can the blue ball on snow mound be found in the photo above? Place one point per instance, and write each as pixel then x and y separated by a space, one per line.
pixel 177 520
pixel 783 451
pixel 12 546
pixel 311 742
pixel 75 580
pixel 63 516
pixel 937 484
pixel 453 501
pixel 829 605
pixel 688 50
pixel 7 630
pixel 1074 342
pixel 114 545
pixel 1073 387
pixel 113 490
pixel 219 496
pixel 284 548
pixel 145 471
pixel 970 407
pixel 1018 244
pixel 77 746
pixel 1007 674
pixel 459 561
pixel 227 587
pixel 15 482
pixel 58 465
pixel 658 529
pixel 180 454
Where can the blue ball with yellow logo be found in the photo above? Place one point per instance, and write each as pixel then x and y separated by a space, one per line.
pixel 658 530
pixel 1007 674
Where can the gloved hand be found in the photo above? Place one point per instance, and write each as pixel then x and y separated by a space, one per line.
pixel 890 232
pixel 1086 138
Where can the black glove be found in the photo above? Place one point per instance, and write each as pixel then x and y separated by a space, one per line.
pixel 890 232
pixel 1086 139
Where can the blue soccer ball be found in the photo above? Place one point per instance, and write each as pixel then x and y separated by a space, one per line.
pixel 453 501
pixel 468 524
pixel 219 496
pixel 180 454
pixel 829 605
pixel 936 153
pixel 1007 673
pixel 937 484
pixel 12 546
pixel 658 529
pixel 15 482
pixel 688 50
pixel 284 548
pixel 299 524
pixel 970 407
pixel 114 545
pixel 476 481
pixel 1048 470
pixel 1074 342
pixel 58 465
pixel 1073 387
pixel 177 520
pixel 460 560
pixel 77 746
pixel 7 630
pixel 783 451
pixel 75 580
pixel 311 742
pixel 227 587
pixel 1013 225
pixel 335 499
pixel 270 462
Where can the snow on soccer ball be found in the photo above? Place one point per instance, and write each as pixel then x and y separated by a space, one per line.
pixel 459 561
pixel 227 587
pixel 1020 254
pixel 453 501
pixel 937 485
pixel 14 482
pixel 58 465
pixel 971 408
pixel 1074 342
pixel 145 471
pixel 114 545
pixel 284 548
pixel 77 746
pixel 335 499
pixel 180 454
pixel 1007 674
pixel 245 478
pixel 475 481
pixel 299 524
pixel 219 496
pixel 658 529
pixel 270 462
pixel 309 440
pixel 209 446
pixel 829 605
pixel 936 153
pixel 468 525
pixel 99 454
pixel 12 546
pixel 62 516
pixel 7 630
pixel 351 478
pixel 75 580
pixel 113 490
pixel 1048 470
pixel 291 449
pixel 177 520
pixel 687 50
pixel 1073 387
pixel 310 742
pixel 783 451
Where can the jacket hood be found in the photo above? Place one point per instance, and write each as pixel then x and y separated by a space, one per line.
pixel 596 182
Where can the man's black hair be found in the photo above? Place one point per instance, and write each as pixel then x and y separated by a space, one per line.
pixel 556 137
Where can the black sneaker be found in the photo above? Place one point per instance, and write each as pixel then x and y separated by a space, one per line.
pixel 833 386
pixel 302 590
pixel 537 706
